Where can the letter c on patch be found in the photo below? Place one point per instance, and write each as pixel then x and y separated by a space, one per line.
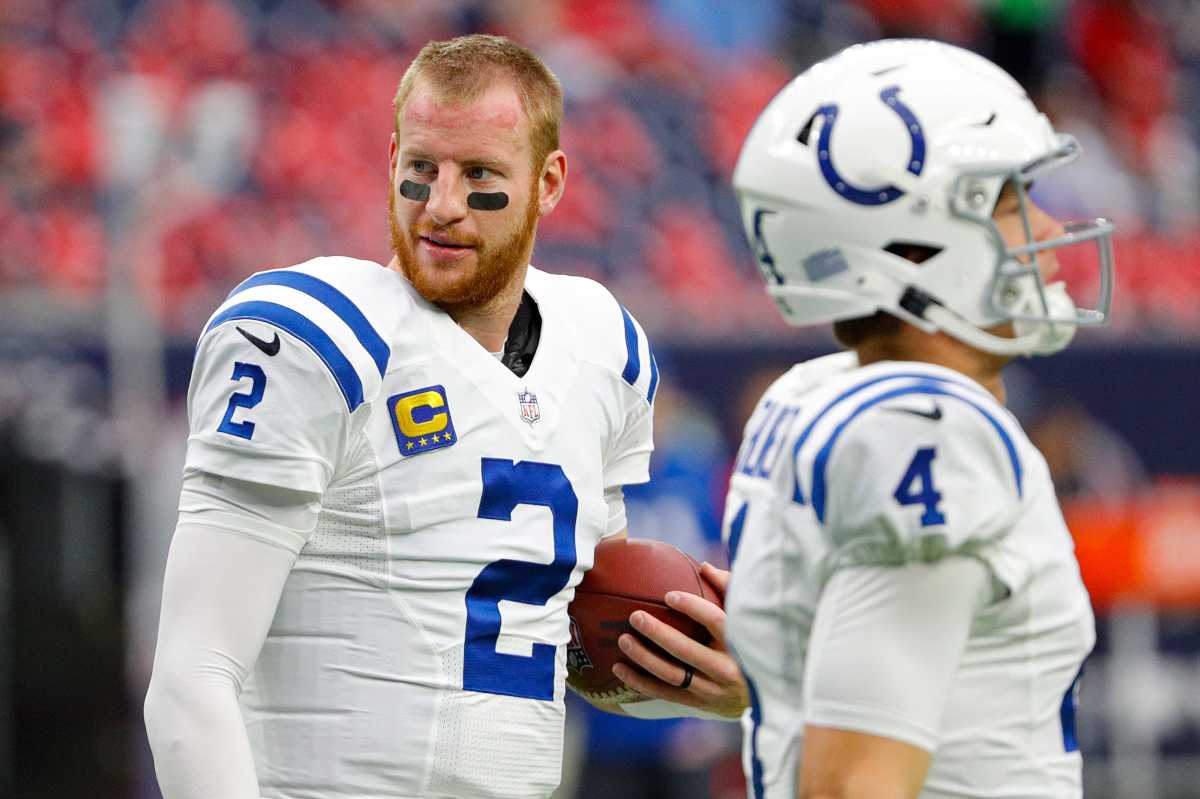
pixel 407 406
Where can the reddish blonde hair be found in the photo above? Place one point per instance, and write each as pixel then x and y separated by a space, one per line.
pixel 464 68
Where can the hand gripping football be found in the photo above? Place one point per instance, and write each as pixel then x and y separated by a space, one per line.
pixel 628 575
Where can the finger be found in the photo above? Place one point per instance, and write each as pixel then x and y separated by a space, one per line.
pixel 729 701
pixel 669 672
pixel 674 642
pixel 665 670
pixel 697 607
pixel 713 662
pixel 718 577
pixel 653 687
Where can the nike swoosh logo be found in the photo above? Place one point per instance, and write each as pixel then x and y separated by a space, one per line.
pixel 269 347
pixel 933 416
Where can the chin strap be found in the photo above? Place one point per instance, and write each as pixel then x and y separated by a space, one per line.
pixel 1032 337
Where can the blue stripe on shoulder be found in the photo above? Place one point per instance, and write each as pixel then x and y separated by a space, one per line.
pixel 332 299
pixel 653 379
pixel 633 358
pixel 299 326
pixel 822 459
pixel 633 361
pixel 735 532
pixel 797 494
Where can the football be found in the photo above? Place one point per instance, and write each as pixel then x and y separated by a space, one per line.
pixel 628 575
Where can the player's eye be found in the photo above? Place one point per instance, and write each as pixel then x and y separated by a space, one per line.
pixel 1008 201
pixel 421 167
pixel 479 173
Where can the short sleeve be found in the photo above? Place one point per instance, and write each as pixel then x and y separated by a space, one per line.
pixel 885 645
pixel 628 458
pixel 276 419
pixel 917 478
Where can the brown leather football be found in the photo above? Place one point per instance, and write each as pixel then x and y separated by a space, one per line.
pixel 629 575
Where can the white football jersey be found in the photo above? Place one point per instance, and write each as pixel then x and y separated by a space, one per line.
pixel 892 463
pixel 419 646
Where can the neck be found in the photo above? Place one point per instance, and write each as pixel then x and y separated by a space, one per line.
pixel 911 344
pixel 486 322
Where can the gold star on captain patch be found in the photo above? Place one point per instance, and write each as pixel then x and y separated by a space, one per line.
pixel 445 436
pixel 423 441
pixel 409 445
pixel 436 438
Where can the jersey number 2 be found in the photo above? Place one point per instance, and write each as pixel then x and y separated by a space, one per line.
pixel 258 384
pixel 506 485
pixel 920 471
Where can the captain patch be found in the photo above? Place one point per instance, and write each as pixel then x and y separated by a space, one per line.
pixel 421 419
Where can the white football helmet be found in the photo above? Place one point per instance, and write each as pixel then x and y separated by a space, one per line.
pixel 904 143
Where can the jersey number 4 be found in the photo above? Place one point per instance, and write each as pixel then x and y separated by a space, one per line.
pixel 507 484
pixel 916 487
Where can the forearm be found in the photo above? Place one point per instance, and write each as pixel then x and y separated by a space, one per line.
pixel 841 764
pixel 219 597
pixel 197 736
pixel 863 789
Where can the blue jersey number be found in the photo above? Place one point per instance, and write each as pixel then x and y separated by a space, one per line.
pixel 258 384
pixel 920 471
pixel 505 486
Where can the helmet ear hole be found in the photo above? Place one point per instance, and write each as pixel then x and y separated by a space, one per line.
pixel 912 251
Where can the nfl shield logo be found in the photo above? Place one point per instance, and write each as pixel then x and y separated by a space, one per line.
pixel 577 656
pixel 530 412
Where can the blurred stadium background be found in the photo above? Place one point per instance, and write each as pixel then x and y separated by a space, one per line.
pixel 155 152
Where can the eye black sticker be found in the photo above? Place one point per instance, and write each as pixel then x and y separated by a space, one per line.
pixel 487 201
pixel 480 201
pixel 417 192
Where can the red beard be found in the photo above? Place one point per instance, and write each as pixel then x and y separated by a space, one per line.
pixel 458 284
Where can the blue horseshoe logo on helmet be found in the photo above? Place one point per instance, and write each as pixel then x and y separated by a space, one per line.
pixel 880 195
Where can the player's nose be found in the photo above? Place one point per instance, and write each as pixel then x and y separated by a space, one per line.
pixel 447 202
pixel 1046 228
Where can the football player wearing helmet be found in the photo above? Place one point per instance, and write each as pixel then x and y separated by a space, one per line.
pixel 905 600
pixel 396 476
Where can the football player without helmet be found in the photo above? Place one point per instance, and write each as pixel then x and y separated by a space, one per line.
pixel 905 602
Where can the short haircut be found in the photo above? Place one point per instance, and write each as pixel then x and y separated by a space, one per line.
pixel 853 333
pixel 462 69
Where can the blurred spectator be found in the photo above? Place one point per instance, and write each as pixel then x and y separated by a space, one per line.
pixel 182 144
pixel 681 503
pixel 1126 53
pixel 1086 458
pixel 725 29
pixel 954 21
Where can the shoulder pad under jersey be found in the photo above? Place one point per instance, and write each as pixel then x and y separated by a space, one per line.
pixel 343 309
pixel 607 333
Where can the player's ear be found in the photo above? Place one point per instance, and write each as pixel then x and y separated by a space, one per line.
pixel 393 152
pixel 553 181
